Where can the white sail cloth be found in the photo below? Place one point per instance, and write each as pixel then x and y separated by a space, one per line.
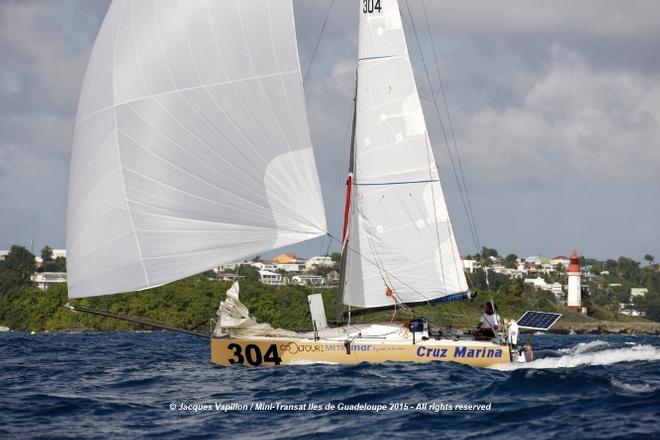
pixel 234 319
pixel 402 246
pixel 191 145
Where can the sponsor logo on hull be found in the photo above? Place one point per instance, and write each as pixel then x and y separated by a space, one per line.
pixel 460 352
pixel 269 352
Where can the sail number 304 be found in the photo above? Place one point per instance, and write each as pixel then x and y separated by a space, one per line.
pixel 253 355
pixel 369 6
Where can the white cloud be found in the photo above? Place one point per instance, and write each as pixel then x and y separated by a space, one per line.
pixel 549 99
pixel 572 121
pixel 609 18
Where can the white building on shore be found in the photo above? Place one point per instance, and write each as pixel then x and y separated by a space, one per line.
pixel 629 309
pixel 470 266
pixel 271 278
pixel 230 266
pixel 59 253
pixel 291 267
pixel 308 280
pixel 270 265
pixel 44 280
pixel 319 261
pixel 638 291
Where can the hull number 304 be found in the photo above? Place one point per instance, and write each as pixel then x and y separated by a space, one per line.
pixel 253 356
pixel 369 6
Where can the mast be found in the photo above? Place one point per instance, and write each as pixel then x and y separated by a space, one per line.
pixel 347 216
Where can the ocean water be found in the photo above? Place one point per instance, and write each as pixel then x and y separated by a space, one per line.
pixel 123 384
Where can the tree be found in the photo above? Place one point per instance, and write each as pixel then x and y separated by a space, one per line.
pixel 8 280
pixel 20 260
pixel 56 265
pixel 511 261
pixel 621 293
pixel 47 254
pixel 649 258
pixel 488 252
pixel 495 280
pixel 208 274
pixel 609 265
pixel 628 269
pixel 250 273
pixel 517 287
pixel 335 256
pixel 322 270
pixel 649 303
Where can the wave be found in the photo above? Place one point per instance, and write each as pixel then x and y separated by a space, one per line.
pixel 583 354
pixel 584 347
pixel 308 362
pixel 634 387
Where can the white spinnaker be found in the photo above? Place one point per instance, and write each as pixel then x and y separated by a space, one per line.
pixel 400 235
pixel 191 145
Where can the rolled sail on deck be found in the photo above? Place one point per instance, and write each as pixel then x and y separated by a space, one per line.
pixel 400 237
pixel 191 145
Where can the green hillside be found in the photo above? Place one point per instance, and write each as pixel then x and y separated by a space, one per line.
pixel 187 303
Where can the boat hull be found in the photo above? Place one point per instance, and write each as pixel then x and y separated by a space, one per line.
pixel 269 351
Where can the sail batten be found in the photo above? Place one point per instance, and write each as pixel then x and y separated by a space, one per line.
pixel 403 247
pixel 192 146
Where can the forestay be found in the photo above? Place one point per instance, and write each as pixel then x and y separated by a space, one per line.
pixel 402 247
pixel 191 146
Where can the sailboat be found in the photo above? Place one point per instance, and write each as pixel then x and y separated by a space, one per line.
pixel 192 149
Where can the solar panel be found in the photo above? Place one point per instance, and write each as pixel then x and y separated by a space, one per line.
pixel 538 320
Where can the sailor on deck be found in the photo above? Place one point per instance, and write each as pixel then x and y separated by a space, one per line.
pixel 489 323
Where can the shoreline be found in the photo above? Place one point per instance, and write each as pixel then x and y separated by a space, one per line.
pixel 581 328
pixel 608 327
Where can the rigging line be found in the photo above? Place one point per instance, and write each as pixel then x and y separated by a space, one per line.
pixel 435 212
pixel 442 126
pixel 376 264
pixel 140 321
pixel 381 268
pixel 444 131
pixel 318 42
pixel 460 165
pixel 409 182
pixel 451 124
pixel 337 193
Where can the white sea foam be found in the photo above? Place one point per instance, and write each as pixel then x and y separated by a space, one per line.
pixel 583 347
pixel 582 357
pixel 308 362
pixel 634 387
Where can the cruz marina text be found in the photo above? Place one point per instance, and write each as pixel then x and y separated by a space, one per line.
pixel 462 352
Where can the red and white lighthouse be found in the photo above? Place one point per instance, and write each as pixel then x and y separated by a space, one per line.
pixel 574 298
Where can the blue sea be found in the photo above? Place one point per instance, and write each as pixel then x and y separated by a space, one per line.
pixel 162 385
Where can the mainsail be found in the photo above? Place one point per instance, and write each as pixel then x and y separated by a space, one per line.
pixel 400 240
pixel 192 146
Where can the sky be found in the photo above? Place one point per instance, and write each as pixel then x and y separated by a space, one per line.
pixel 555 108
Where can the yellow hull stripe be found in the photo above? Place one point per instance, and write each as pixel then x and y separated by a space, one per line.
pixel 291 351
